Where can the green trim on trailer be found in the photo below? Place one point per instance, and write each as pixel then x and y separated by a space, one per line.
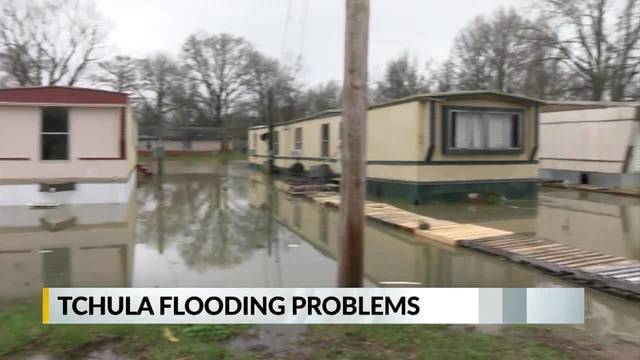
pixel 412 162
pixel 450 162
pixel 298 158
pixel 444 191
pixel 455 191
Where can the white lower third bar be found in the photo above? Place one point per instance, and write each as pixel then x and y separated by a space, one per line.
pixel 312 305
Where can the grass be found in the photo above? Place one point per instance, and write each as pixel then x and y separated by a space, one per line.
pixel 21 333
pixel 199 156
pixel 424 342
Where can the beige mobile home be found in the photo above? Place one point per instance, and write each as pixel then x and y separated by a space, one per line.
pixel 594 143
pixel 427 147
pixel 183 139
pixel 65 145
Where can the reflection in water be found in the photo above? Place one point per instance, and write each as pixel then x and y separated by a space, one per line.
pixel 600 222
pixel 238 228
pixel 390 256
pixel 73 245
pixel 212 236
pixel 593 221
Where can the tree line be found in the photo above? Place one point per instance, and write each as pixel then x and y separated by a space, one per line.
pixel 214 80
pixel 562 49
pixel 565 49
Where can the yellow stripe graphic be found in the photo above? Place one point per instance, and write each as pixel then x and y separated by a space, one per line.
pixel 45 305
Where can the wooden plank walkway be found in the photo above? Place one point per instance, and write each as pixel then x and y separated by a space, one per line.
pixel 596 269
pixel 425 228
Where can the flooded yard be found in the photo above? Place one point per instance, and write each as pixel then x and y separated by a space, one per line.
pixel 227 226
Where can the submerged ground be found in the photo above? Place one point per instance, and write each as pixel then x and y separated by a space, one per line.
pixel 211 225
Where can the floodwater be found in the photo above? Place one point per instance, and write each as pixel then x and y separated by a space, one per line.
pixel 206 225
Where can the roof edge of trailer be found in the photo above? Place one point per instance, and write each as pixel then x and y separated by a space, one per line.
pixel 53 94
pixel 593 102
pixel 441 96
pixel 318 115
pixel 579 105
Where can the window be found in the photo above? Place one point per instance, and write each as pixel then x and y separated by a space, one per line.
pixel 324 140
pixel 254 143
pixel 276 142
pixel 55 134
pixel 297 143
pixel 480 130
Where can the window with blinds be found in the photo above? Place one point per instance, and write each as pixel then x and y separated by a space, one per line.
pixel 253 144
pixel 483 130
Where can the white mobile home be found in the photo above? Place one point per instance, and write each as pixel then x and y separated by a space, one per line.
pixel 594 143
pixel 426 147
pixel 65 145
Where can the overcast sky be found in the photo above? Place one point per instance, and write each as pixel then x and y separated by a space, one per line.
pixel 315 29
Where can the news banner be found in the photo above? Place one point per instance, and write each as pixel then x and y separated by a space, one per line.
pixel 313 305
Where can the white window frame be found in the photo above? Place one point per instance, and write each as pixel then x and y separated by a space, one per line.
pixel 297 141
pixel 325 143
pixel 67 133
pixel 276 142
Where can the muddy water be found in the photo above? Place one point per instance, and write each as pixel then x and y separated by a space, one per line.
pixel 594 221
pixel 228 226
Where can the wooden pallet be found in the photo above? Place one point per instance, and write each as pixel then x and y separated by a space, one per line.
pixel 594 268
pixel 597 269
pixel 425 228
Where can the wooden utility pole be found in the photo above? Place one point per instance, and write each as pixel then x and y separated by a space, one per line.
pixel 354 127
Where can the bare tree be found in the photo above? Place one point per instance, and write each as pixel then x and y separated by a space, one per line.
pixel 185 108
pixel 217 64
pixel 401 78
pixel 626 67
pixel 602 49
pixel 443 76
pixel 119 73
pixel 157 75
pixel 48 42
pixel 324 96
pixel 490 52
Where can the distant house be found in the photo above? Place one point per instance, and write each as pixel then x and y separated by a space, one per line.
pixel 183 139
pixel 440 146
pixel 593 143
pixel 65 145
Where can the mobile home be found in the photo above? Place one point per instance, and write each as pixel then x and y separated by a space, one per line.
pixel 65 145
pixel 183 139
pixel 592 143
pixel 440 146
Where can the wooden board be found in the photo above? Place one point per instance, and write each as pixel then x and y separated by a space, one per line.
pixel 599 270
